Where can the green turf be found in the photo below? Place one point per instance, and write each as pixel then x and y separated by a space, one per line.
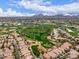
pixel 35 50
pixel 38 33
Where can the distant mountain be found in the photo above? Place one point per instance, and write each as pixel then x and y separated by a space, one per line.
pixel 56 16
pixel 42 17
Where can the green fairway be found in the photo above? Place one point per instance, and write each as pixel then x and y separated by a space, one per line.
pixel 74 32
pixel 38 33
pixel 35 50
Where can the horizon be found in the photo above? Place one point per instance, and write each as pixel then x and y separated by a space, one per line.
pixel 13 8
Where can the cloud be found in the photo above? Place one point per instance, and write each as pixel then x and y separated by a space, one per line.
pixel 44 7
pixel 11 12
pixel 36 5
pixel 13 1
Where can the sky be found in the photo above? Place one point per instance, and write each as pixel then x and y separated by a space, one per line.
pixel 35 7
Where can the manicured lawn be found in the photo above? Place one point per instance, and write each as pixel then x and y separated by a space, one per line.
pixel 35 50
pixel 38 33
pixel 75 31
